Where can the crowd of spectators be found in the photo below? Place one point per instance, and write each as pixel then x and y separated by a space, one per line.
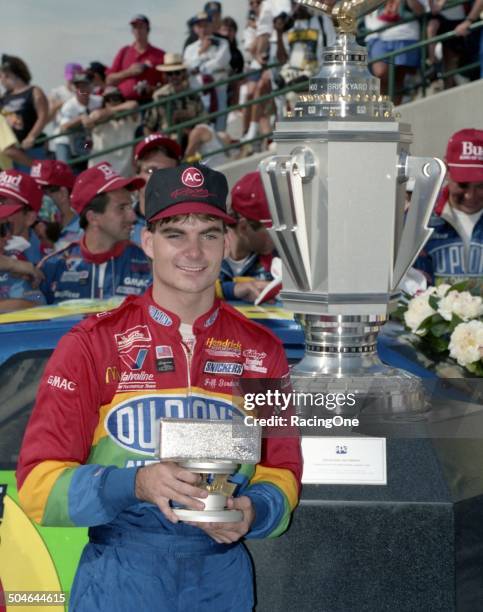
pixel 280 44
pixel 79 236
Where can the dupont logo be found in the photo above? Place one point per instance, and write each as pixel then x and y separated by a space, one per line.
pixel 192 177
pixel 134 423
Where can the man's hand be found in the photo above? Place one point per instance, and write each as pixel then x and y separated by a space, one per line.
pixel 25 269
pixel 27 143
pixel 463 28
pixel 248 291
pixel 159 483
pixel 227 533
pixel 135 69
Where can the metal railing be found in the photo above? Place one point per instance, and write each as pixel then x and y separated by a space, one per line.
pixel 168 101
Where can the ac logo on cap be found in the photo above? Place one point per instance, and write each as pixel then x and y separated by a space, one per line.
pixel 192 177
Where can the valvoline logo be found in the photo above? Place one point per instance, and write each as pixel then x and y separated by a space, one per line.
pixel 192 177
pixel 133 423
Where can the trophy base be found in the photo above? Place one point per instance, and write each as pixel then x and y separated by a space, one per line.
pixel 209 516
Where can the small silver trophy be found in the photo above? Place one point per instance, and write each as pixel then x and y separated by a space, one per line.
pixel 214 449
pixel 336 192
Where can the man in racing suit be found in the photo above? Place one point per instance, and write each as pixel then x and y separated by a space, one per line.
pixel 104 263
pixel 87 457
pixel 454 252
pixel 250 246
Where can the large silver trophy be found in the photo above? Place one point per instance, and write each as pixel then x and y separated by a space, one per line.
pixel 336 192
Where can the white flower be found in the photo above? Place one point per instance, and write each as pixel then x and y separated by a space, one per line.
pixel 418 310
pixel 442 290
pixel 466 343
pixel 464 305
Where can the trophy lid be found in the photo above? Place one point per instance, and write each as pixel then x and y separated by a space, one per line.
pixel 344 88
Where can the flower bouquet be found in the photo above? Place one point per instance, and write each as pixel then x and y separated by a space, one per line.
pixel 448 321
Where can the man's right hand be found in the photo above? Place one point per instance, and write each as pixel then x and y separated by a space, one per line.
pixel 136 69
pixel 248 291
pixel 159 483
pixel 18 267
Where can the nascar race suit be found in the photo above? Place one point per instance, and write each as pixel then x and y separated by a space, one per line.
pixel 109 380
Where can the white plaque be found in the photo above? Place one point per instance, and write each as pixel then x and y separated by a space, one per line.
pixel 353 460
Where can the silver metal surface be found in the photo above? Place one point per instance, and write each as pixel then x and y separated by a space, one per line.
pixel 336 192
pixel 209 467
pixel 208 441
pixel 209 516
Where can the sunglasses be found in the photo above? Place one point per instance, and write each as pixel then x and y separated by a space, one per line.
pixel 175 72
pixel 5 229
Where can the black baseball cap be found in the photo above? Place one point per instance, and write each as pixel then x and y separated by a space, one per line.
pixel 212 8
pixel 187 189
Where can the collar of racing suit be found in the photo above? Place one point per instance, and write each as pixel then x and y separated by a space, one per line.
pixel 99 258
pixel 171 322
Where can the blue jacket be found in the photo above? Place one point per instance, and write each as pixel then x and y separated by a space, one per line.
pixel 16 288
pixel 443 257
pixel 75 273
pixel 256 267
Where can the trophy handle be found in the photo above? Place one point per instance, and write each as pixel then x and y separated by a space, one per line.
pixel 282 180
pixel 428 173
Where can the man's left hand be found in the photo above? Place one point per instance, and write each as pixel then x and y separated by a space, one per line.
pixel 227 533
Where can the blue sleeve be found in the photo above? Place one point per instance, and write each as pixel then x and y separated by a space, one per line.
pixel 270 510
pixel 228 288
pixel 97 494
pixel 48 269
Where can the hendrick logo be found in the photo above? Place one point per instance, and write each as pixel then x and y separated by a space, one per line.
pixel 225 347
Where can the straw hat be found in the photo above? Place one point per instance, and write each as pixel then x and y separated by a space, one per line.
pixel 172 62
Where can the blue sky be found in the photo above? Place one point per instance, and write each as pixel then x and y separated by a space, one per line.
pixel 49 33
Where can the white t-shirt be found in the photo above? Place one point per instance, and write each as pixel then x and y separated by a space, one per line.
pixel 237 265
pixel 463 223
pixel 72 109
pixel 405 31
pixel 59 94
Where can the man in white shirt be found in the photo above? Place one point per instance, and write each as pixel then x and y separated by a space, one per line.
pixel 208 60
pixel 73 115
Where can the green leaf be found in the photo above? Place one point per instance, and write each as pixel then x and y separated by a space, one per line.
pixel 426 323
pixel 455 321
pixel 461 286
pixel 439 345
pixel 433 302
pixel 440 329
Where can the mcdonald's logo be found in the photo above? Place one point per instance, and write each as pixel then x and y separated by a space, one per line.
pixel 112 374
